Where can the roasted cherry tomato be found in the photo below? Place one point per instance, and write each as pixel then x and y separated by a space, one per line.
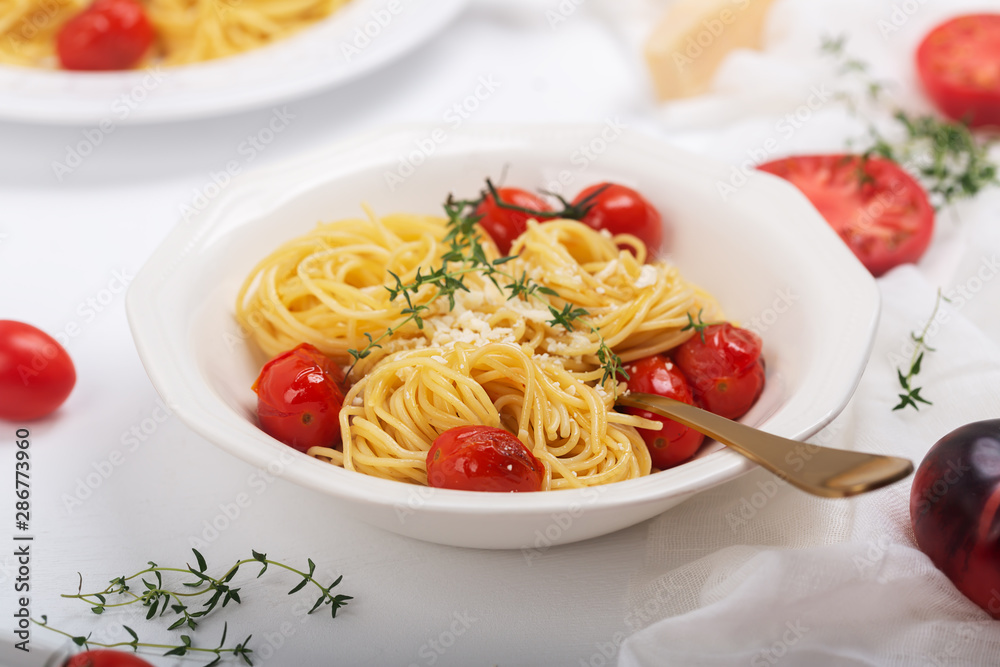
pixel 108 35
pixel 959 66
pixel 621 210
pixel 504 224
pixel 880 212
pixel 725 369
pixel 36 373
pixel 674 443
pixel 482 458
pixel 955 510
pixel 299 397
pixel 105 658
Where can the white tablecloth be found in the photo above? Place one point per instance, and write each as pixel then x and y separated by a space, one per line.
pixel 117 481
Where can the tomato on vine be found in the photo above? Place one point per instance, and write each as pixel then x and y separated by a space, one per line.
pixel 505 213
pixel 621 210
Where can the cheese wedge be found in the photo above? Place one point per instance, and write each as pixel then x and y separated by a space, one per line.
pixel 690 42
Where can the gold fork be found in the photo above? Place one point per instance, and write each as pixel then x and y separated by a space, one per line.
pixel 822 471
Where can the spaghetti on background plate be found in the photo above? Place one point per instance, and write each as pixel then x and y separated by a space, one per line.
pixel 184 31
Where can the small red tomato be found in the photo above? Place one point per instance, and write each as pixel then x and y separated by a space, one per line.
pixel 958 66
pixel 108 35
pixel 621 210
pixel 880 211
pixel 725 368
pixel 482 458
pixel 955 510
pixel 505 224
pixel 674 443
pixel 105 658
pixel 36 373
pixel 299 397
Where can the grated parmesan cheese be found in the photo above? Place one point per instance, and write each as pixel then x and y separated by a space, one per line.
pixel 647 276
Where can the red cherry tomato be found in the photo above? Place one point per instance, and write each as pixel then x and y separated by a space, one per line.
pixel 959 67
pixel 105 658
pixel 955 509
pixel 482 458
pixel 36 373
pixel 674 443
pixel 299 397
pixel 725 369
pixel 108 35
pixel 503 224
pixel 880 212
pixel 622 210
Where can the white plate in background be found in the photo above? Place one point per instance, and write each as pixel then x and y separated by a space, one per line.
pixel 359 38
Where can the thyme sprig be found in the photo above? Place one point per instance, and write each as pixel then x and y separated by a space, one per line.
pixel 945 156
pixel 465 254
pixel 159 599
pixel 156 597
pixel 240 650
pixel 912 396
pixel 949 160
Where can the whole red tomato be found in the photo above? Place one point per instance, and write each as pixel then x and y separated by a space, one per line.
pixel 674 443
pixel 299 397
pixel 36 373
pixel 506 224
pixel 482 458
pixel 108 35
pixel 879 211
pixel 105 658
pixel 957 64
pixel 723 363
pixel 621 210
pixel 955 510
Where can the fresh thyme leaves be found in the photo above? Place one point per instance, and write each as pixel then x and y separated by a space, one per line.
pixel 566 316
pixel 611 363
pixel 945 156
pixel 835 47
pixel 160 599
pixel 912 396
pixel 240 650
pixel 465 254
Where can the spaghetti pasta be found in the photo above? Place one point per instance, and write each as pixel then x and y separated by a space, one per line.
pixel 481 356
pixel 188 31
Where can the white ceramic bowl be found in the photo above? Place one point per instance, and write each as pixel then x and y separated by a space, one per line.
pixel 359 38
pixel 765 253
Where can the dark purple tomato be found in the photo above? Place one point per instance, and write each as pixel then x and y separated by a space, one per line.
pixel 955 510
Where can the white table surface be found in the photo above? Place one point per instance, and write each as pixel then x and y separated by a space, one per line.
pixel 62 243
